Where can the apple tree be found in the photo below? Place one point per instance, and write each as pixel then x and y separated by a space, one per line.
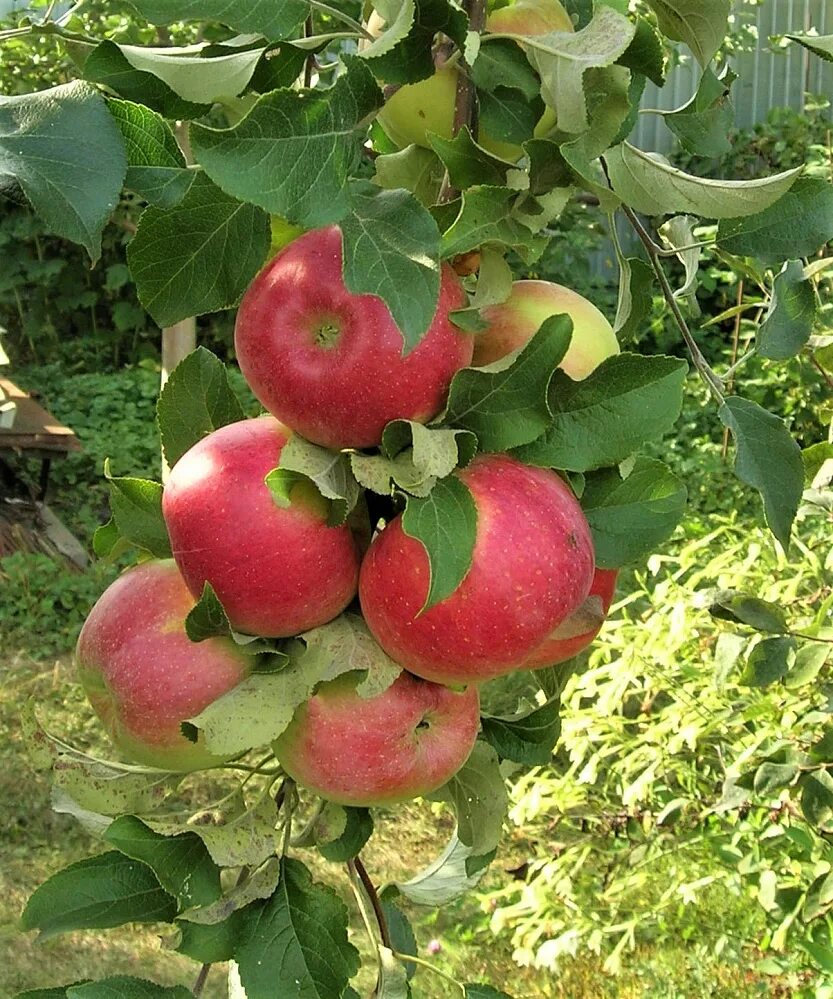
pixel 449 474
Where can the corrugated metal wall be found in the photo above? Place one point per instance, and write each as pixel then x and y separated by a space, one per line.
pixel 770 76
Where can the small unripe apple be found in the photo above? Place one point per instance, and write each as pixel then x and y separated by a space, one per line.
pixel 329 363
pixel 277 570
pixel 403 743
pixel 529 17
pixel 142 673
pixel 532 567
pixel 513 323
pixel 575 634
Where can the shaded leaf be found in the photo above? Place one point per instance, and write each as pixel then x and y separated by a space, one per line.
pixel 477 792
pixel 791 316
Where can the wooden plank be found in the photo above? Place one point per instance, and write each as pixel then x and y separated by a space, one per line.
pixel 34 427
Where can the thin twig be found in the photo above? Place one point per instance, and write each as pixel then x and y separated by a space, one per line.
pixel 378 911
pixel 822 372
pixel 202 978
pixel 703 367
pixel 310 60
pixel 729 377
pixel 405 958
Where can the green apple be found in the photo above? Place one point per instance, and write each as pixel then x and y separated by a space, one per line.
pixel 513 323
pixel 529 17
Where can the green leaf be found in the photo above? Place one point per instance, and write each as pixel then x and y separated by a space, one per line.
pixel 635 304
pixel 628 400
pixel 505 404
pixel 468 164
pixel 817 799
pixel 652 186
pixel 399 927
pixel 809 661
pixel 393 978
pixel 258 710
pixel 791 316
pixel 137 512
pixel 630 518
pixel 445 523
pixel 769 661
pixel 392 250
pixel 198 256
pixel 295 150
pixel 477 991
pixel 678 234
pixel 65 132
pixel 762 615
pixel 413 169
pixel 562 58
pixel 209 943
pixel 156 168
pixel 356 830
pixel 819 898
pixel 329 471
pixel 527 738
pixel 399 18
pixel 181 863
pixel 820 45
pixel 770 778
pixel 126 987
pixel 768 459
pixel 509 116
pixel 260 17
pixel 477 792
pixel 703 124
pixel 645 55
pixel 502 65
pixel 196 400
pixel 701 24
pixel 797 225
pixel 98 893
pixel 411 58
pixel 446 878
pixel 485 217
pixel 107 65
pixel 295 943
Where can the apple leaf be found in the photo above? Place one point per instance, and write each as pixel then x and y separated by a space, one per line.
pixel 628 400
pixel 181 863
pixel 797 225
pixel 260 883
pixel 505 404
pixel 137 513
pixel 635 304
pixel 392 250
pixel 107 65
pixel 478 794
pixel 485 217
pixel 294 151
pixel 742 608
pixel 412 169
pixel 199 255
pixel 502 64
pixel 478 991
pixel 645 55
pixel 345 840
pixel 208 619
pixel 445 523
pixel 791 316
pixel 295 943
pixel 399 927
pixel 259 17
pixel 631 517
pixel 156 168
pixel 411 59
pixel 703 124
pixel 235 835
pixel 817 799
pixel 64 132
pixel 126 987
pixel 563 57
pixel 399 18
pixel 768 459
pixel 528 738
pixel 652 186
pixel 196 400
pixel 259 708
pixel 393 978
pixel 678 234
pixel 59 992
pixel 210 943
pixel 701 24
pixel 446 878
pixel 467 163
pixel 329 471
pixel 770 660
pixel 507 115
pixel 98 893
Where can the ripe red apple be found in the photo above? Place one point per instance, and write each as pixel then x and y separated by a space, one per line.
pixel 513 323
pixel 532 567
pixel 572 636
pixel 277 571
pixel 142 673
pixel 403 743
pixel 329 363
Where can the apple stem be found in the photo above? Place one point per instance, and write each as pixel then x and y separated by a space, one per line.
pixel 370 891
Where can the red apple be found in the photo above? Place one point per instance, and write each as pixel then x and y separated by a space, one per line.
pixel 513 323
pixel 329 363
pixel 576 633
pixel 532 567
pixel 142 673
pixel 277 571
pixel 403 743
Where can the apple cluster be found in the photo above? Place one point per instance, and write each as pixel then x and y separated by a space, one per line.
pixel 328 365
